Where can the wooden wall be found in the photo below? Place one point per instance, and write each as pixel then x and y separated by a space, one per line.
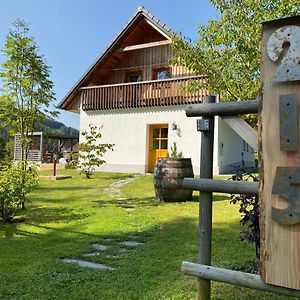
pixel 145 60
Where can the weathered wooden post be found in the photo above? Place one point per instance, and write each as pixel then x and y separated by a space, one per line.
pixel 54 164
pixel 279 153
pixel 206 126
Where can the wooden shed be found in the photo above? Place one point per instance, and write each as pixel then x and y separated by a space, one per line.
pixel 44 145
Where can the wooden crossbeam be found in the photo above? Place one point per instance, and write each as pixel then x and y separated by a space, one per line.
pixel 221 186
pixel 223 108
pixel 234 277
pixel 243 129
pixel 145 45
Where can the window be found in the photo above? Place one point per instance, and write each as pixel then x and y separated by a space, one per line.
pixel 134 76
pixel 245 146
pixel 161 73
pixel 160 138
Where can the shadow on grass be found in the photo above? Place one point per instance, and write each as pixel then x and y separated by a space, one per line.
pixel 151 269
pixel 129 202
pixel 49 215
pixel 63 188
pixel 148 202
pixel 216 197
pixel 118 177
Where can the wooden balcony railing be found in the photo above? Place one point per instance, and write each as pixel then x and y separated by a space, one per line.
pixel 142 94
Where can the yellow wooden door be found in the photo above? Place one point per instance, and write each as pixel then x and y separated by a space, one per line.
pixel 158 144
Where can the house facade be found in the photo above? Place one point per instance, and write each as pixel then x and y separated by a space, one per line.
pixel 139 99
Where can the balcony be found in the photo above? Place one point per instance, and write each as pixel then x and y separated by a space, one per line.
pixel 167 92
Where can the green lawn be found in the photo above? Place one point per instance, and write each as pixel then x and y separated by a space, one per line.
pixel 65 217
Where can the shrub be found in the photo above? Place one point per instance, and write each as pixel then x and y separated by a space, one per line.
pixel 73 162
pixel 15 183
pixel 249 209
pixel 9 151
pixel 91 151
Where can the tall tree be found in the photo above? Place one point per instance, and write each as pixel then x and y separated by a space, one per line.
pixel 27 90
pixel 228 48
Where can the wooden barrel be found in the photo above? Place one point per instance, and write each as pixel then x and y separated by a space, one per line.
pixel 168 177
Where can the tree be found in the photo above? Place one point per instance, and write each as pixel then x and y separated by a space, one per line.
pixel 228 48
pixel 27 89
pixel 91 151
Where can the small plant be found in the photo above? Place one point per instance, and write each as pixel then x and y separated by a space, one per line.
pixel 174 151
pixel 249 209
pixel 91 152
pixel 15 183
pixel 73 162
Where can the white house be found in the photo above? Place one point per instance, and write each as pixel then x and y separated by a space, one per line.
pixel 139 99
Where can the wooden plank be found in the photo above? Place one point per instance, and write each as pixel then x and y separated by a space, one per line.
pixel 223 108
pixel 145 45
pixel 280 253
pixel 252 281
pixel 244 130
pixel 221 186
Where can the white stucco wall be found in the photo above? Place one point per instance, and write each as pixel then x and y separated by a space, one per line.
pixel 129 130
pixel 231 152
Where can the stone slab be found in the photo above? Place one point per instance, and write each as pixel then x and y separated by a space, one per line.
pixel 87 264
pixel 100 247
pixel 91 254
pixel 131 243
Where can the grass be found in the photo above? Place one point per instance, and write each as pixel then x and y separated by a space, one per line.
pixel 65 217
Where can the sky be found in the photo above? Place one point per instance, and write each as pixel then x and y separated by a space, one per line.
pixel 71 34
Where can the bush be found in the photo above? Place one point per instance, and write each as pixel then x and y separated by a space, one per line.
pixel 91 151
pixel 73 162
pixel 9 151
pixel 15 183
pixel 249 209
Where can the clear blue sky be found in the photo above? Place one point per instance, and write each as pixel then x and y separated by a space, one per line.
pixel 72 33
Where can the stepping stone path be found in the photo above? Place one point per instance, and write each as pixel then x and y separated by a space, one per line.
pixel 103 248
pixel 131 243
pixel 87 264
pixel 114 190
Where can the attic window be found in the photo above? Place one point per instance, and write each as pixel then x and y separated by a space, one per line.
pixel 134 76
pixel 161 73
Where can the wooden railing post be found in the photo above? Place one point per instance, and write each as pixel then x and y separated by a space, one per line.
pixel 205 200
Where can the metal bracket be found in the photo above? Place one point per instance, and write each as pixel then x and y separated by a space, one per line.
pixel 285 185
pixel 203 125
pixel 288 120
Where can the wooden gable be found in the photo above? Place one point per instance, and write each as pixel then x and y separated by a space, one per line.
pixel 141 51
pixel 110 58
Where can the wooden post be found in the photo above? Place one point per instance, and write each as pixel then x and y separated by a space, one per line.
pixel 280 153
pixel 54 164
pixel 41 147
pixel 205 201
